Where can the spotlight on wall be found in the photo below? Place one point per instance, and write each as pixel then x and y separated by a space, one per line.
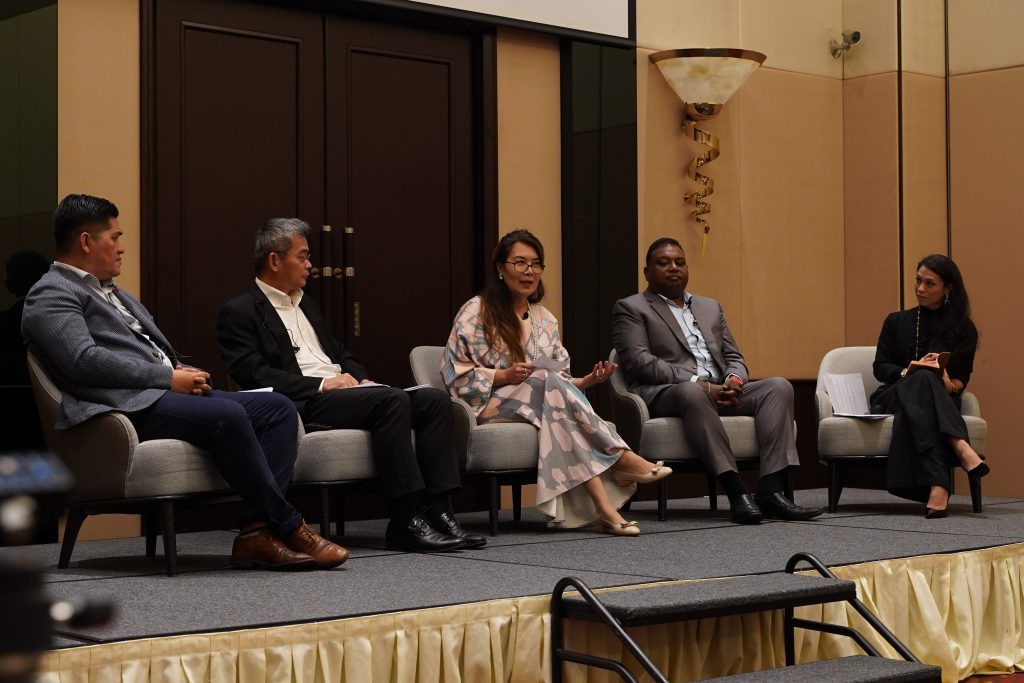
pixel 850 38
pixel 704 79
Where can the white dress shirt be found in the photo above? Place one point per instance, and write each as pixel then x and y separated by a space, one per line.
pixel 309 353
pixel 107 291
pixel 707 368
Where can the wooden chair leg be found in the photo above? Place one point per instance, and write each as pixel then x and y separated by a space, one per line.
pixel 325 511
pixel 662 500
pixel 170 540
pixel 712 492
pixel 493 502
pixel 339 513
pixel 517 502
pixel 71 528
pixel 151 523
pixel 835 486
pixel 975 494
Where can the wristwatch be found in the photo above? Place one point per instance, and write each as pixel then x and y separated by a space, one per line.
pixel 903 373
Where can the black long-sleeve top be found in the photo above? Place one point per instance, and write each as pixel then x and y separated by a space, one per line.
pixel 899 343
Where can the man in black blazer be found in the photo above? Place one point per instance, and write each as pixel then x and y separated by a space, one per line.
pixel 679 356
pixel 273 336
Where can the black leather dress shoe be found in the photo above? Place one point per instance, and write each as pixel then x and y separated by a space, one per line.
pixel 419 537
pixel 446 523
pixel 779 507
pixel 745 511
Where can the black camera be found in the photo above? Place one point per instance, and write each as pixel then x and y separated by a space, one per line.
pixel 29 484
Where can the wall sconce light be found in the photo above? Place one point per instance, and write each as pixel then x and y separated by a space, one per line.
pixel 850 38
pixel 704 79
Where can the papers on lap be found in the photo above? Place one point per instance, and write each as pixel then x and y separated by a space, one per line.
pixel 545 363
pixel 849 398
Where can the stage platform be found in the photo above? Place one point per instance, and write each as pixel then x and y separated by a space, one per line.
pixel 525 560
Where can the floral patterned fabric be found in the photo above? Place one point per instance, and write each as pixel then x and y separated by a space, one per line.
pixel 575 443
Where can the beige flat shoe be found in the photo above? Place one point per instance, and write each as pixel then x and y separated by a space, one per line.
pixel 658 471
pixel 603 526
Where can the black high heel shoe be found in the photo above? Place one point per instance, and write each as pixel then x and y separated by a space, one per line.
pixel 978 471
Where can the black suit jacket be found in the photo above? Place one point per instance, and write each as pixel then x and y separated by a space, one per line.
pixel 258 352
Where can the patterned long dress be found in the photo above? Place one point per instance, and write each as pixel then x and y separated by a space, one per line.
pixel 575 443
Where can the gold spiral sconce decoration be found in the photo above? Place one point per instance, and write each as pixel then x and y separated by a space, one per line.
pixel 704 79
pixel 695 113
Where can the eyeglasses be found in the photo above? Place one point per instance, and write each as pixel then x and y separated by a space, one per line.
pixel 525 266
pixel 302 258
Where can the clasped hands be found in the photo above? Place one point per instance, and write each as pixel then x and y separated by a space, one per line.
pixel 343 381
pixel 193 381
pixel 727 394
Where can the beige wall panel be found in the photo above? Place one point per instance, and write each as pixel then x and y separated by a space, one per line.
pixel 985 35
pixel 791 170
pixel 876 52
pixel 987 143
pixel 668 24
pixel 872 209
pixel 924 172
pixel 98 127
pixel 99 527
pixel 663 152
pixel 924 36
pixel 529 147
pixel 793 33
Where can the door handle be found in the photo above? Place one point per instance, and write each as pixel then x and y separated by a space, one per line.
pixel 314 273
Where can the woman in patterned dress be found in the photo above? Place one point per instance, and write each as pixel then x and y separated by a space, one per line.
pixel 493 361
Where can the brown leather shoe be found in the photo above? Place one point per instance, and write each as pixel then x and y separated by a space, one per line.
pixel 260 549
pixel 327 555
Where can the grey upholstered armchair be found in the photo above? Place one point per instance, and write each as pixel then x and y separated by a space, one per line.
pixel 499 453
pixel 662 438
pixel 845 442
pixel 114 472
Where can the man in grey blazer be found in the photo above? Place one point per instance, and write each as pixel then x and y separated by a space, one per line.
pixel 104 351
pixel 679 356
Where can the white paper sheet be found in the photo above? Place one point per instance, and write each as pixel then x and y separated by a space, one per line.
pixel 849 398
pixel 545 363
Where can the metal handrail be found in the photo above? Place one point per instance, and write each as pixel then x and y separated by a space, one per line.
pixel 855 602
pixel 560 654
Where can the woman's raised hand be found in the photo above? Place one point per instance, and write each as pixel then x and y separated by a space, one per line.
pixel 601 373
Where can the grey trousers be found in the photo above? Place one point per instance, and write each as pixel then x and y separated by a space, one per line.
pixel 769 401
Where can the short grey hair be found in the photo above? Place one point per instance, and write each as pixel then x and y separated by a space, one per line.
pixel 276 235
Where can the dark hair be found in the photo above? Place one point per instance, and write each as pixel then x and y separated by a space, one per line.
pixel 499 319
pixel 276 235
pixel 23 270
pixel 957 328
pixel 658 244
pixel 78 213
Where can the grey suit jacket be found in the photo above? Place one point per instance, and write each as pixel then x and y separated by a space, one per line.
pixel 653 349
pixel 98 362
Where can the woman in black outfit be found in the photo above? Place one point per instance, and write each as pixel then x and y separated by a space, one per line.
pixel 929 434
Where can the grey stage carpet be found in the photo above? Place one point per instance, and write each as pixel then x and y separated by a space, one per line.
pixel 525 559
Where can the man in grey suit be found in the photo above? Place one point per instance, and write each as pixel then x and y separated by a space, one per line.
pixel 105 352
pixel 679 356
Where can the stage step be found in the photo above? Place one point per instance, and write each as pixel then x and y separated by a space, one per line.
pixel 661 604
pixel 856 669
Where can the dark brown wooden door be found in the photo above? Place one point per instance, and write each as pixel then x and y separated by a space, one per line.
pixel 399 188
pixel 237 138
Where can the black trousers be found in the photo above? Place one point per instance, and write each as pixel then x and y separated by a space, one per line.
pixel 253 438
pixel 926 415
pixel 391 415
